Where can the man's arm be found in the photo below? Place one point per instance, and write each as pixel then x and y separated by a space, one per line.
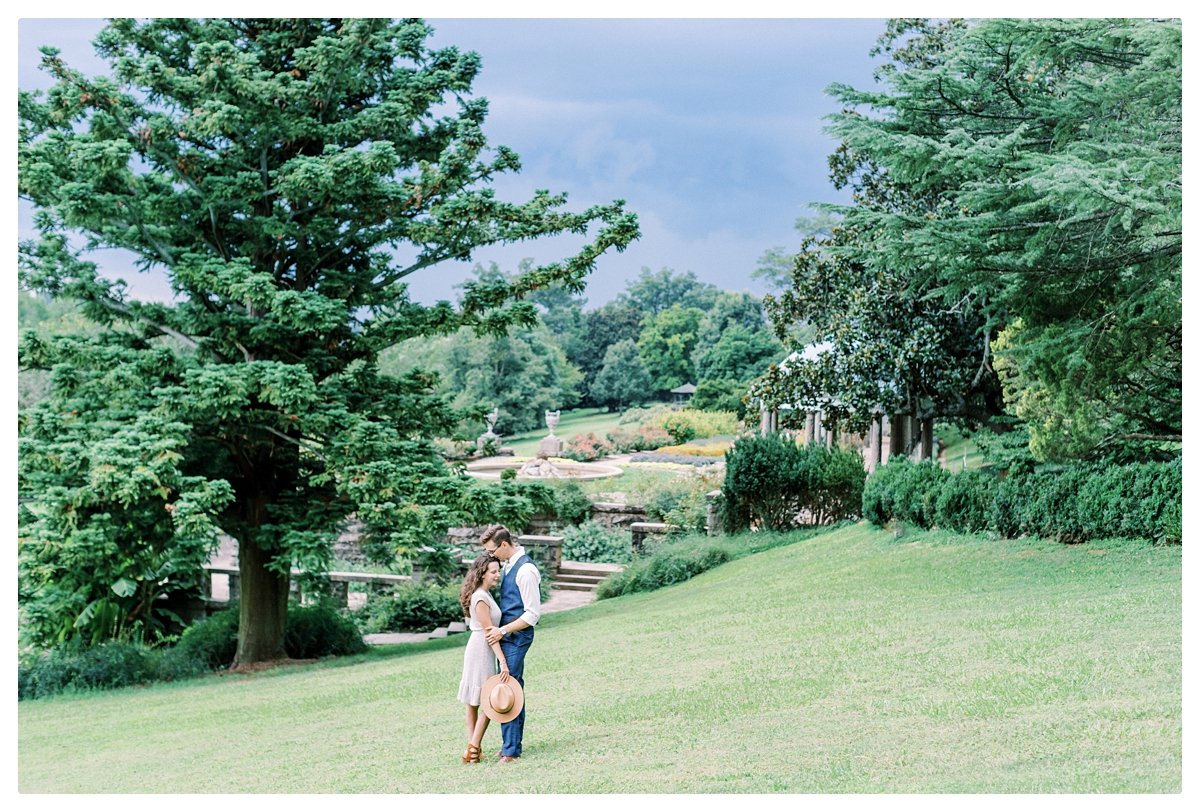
pixel 528 581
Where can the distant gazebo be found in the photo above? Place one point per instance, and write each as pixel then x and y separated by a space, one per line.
pixel 682 394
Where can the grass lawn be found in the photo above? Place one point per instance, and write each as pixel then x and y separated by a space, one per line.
pixel 572 422
pixel 846 662
pixel 961 451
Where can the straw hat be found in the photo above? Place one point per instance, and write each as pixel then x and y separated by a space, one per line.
pixel 501 701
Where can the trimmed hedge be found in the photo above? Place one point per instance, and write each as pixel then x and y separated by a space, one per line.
pixel 771 482
pixel 1079 502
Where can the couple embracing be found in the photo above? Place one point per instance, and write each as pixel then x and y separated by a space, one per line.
pixel 493 680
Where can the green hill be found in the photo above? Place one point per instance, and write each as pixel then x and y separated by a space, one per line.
pixel 848 662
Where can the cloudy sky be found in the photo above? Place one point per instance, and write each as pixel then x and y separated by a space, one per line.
pixel 711 130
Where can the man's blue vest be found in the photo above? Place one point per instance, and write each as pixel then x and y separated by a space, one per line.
pixel 511 605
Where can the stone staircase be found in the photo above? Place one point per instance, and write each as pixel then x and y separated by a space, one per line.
pixel 579 576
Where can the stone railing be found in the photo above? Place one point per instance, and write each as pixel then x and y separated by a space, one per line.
pixel 339 582
pixel 546 552
pixel 642 529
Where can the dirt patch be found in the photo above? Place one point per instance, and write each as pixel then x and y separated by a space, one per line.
pixel 254 668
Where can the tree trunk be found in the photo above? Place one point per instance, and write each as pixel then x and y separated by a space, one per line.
pixel 875 443
pixel 896 441
pixel 927 438
pixel 262 609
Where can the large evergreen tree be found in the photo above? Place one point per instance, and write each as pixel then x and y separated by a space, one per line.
pixel 1017 189
pixel 288 176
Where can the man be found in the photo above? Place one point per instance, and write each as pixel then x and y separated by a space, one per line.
pixel 520 608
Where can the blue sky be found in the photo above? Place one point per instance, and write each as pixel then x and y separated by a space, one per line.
pixel 711 130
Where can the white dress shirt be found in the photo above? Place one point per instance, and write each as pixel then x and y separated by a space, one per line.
pixel 528 582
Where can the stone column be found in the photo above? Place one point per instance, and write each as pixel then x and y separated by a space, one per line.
pixel 810 428
pixel 897 446
pixel 926 428
pixel 875 443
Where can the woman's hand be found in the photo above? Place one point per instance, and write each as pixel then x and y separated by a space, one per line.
pixel 504 675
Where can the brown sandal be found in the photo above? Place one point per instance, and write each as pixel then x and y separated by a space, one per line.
pixel 471 756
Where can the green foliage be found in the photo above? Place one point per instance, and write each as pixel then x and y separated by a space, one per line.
pixel 654 292
pixel 416 607
pixel 1075 503
pixel 739 354
pixel 571 504
pixel 212 642
pixel 963 501
pixel 642 438
pixel 208 645
pixel 666 344
pixel 623 379
pixel 670 563
pixel 113 664
pixel 593 541
pixel 321 630
pixel 771 482
pixel 724 395
pixel 690 424
pixel 994 187
pixel 114 536
pixel 286 176
pixel 607 325
pixel 682 501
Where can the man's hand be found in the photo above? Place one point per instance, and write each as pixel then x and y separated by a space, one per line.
pixel 493 635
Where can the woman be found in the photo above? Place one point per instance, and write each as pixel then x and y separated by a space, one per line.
pixel 482 613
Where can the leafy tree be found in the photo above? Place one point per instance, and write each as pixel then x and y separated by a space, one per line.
pixel 1027 174
pixel 623 380
pixel 653 292
pixel 46 317
pixel 775 264
pixel 666 345
pixel 522 373
pixel 741 353
pixel 604 327
pixel 730 309
pixel 287 175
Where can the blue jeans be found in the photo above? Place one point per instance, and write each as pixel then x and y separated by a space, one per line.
pixel 515 646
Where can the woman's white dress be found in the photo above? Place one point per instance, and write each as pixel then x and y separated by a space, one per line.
pixel 479 662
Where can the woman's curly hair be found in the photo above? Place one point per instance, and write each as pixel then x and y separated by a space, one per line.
pixel 473 580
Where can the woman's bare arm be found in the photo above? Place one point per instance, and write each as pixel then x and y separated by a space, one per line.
pixel 483 614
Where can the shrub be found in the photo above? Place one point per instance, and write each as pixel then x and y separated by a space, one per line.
pixel 964 501
pixel 914 497
pixel 592 541
pixel 643 438
pixel 211 643
pixel 587 448
pixel 771 482
pixel 320 630
pixel 683 501
pixel 670 563
pixel 571 504
pixel 690 424
pixel 877 491
pixel 679 427
pixel 1073 503
pixel 681 424
pixel 114 664
pixel 415 607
